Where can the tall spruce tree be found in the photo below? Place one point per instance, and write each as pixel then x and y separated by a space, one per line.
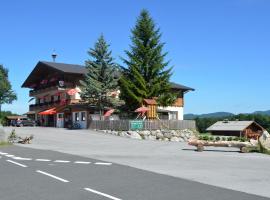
pixel 7 95
pixel 146 74
pixel 101 78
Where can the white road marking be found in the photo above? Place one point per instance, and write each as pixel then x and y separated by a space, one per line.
pixel 52 176
pixel 19 164
pixel 3 153
pixel 102 163
pixel 82 162
pixel 20 158
pixel 43 160
pixel 9 155
pixel 102 194
pixel 61 161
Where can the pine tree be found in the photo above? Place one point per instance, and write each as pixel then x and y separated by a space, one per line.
pixel 7 95
pixel 146 74
pixel 102 77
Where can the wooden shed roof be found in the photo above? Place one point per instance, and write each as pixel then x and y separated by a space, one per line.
pixel 232 125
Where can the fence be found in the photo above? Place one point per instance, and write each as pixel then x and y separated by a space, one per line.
pixel 123 125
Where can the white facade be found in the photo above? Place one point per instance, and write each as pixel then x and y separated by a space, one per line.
pixel 173 112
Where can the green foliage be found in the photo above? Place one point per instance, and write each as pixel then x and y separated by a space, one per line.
pixel 3 115
pixel 7 95
pixel 217 138
pixel 211 138
pixel 146 74
pixel 102 76
pixel 229 138
pixel 223 138
pixel 243 139
pixel 205 137
pixel 12 137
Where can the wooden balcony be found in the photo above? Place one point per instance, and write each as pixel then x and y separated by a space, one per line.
pixel 49 88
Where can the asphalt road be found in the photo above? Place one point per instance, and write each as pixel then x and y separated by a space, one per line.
pixel 221 167
pixel 31 174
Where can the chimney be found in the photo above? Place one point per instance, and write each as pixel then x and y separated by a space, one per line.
pixel 54 55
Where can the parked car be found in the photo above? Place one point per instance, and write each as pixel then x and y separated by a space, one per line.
pixel 25 122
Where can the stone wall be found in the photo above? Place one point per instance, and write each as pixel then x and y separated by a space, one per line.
pixel 161 135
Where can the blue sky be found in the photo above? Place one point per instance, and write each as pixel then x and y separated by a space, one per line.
pixel 220 48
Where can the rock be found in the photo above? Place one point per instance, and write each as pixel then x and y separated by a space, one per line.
pixel 3 135
pixel 167 134
pixel 265 141
pixel 253 142
pixel 159 135
pixel 123 134
pixel 114 132
pixel 151 137
pixel 181 140
pixel 174 133
pixel 134 135
pixel 175 139
pixel 156 132
pixel 145 132
pixel 166 139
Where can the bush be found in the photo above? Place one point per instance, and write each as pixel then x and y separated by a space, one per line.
pixel 243 139
pixel 223 138
pixel 236 139
pixel 211 138
pixel 217 138
pixel 229 138
pixel 200 137
pixel 205 137
pixel 12 137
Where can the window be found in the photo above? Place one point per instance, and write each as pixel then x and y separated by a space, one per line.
pixel 173 115
pixel 60 115
pixel 76 116
pixel 82 116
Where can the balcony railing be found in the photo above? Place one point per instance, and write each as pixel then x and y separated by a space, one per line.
pixel 45 105
pixel 48 88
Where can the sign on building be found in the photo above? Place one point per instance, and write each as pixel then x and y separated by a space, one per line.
pixel 136 125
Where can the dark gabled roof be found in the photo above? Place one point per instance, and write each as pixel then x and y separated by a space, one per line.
pixel 67 68
pixel 42 67
pixel 181 87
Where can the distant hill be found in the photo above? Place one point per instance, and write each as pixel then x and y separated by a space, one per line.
pixel 263 112
pixel 209 115
pixel 221 114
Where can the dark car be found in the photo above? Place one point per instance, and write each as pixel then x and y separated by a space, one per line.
pixel 25 122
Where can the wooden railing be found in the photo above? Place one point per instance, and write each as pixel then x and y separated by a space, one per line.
pixel 123 125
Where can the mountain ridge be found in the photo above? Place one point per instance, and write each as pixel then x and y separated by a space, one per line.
pixel 221 114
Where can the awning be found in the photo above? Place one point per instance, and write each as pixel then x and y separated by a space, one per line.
pixel 142 109
pixel 72 92
pixel 51 111
pixel 108 113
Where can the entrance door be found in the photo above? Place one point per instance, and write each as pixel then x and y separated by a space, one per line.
pixel 67 119
pixel 51 122
pixel 60 120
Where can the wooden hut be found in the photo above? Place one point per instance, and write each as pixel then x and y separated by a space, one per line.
pixel 248 129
